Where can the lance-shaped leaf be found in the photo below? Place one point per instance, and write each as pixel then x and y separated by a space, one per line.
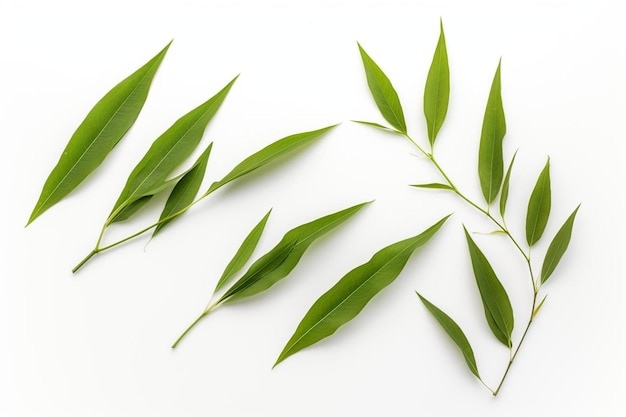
pixel 103 127
pixel 349 296
pixel 433 185
pixel 455 333
pixel 185 190
pixel 283 258
pixel 383 92
pixel 504 195
pixel 437 90
pixel 377 126
pixel 169 150
pixel 498 310
pixel 269 154
pixel 244 253
pixel 557 247
pixel 490 164
pixel 539 207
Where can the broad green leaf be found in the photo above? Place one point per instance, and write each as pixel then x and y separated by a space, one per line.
pixel 244 253
pixel 504 195
pixel 170 149
pixel 378 126
pixel 434 185
pixel 437 90
pixel 280 261
pixel 455 333
pixel 383 92
pixel 185 190
pixel 348 297
pixel 498 310
pixel 539 207
pixel 103 127
pixel 490 164
pixel 269 154
pixel 557 247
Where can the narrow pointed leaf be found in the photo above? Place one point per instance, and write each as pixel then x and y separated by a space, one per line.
pixel 269 154
pixel 170 149
pixel 103 127
pixel 455 333
pixel 504 195
pixel 350 295
pixel 557 247
pixel 498 310
pixel 539 207
pixel 273 266
pixel 437 90
pixel 185 190
pixel 244 253
pixel 378 126
pixel 490 164
pixel 383 92
pixel 536 310
pixel 434 185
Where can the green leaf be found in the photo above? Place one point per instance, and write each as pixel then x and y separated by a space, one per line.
pixel 437 90
pixel 349 296
pixel 504 195
pixel 455 333
pixel 434 185
pixel 103 127
pixel 244 253
pixel 283 258
pixel 536 310
pixel 169 150
pixel 269 154
pixel 378 126
pixel 498 310
pixel 557 247
pixel 490 164
pixel 383 92
pixel 539 207
pixel 185 190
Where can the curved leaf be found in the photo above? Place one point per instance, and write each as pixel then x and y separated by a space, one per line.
pixel 351 294
pixel 496 303
pixel 103 127
pixel 490 164
pixel 455 333
pixel 557 247
pixel 383 92
pixel 437 90
pixel 434 185
pixel 539 207
pixel 504 195
pixel 377 126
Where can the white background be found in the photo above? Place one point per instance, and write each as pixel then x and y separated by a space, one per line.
pixel 97 343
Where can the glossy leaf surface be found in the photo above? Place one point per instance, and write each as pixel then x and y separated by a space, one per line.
pixel 437 90
pixel 348 297
pixel 103 127
pixel 557 247
pixel 504 195
pixel 539 207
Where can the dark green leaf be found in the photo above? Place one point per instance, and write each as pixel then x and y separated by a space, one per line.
pixel 378 126
pixel 103 127
pixel 504 195
pixel 283 258
pixel 490 164
pixel 437 90
pixel 539 207
pixel 557 247
pixel 498 310
pixel 244 253
pixel 383 92
pixel 455 333
pixel 269 154
pixel 349 296
pixel 434 185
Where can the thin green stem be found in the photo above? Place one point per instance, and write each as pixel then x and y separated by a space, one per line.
pixel 196 321
pixel 85 259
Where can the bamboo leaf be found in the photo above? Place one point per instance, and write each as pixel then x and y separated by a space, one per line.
pixel 269 154
pixel 455 333
pixel 383 92
pixel 490 164
pixel 498 310
pixel 185 190
pixel 536 310
pixel 557 247
pixel 434 185
pixel 170 149
pixel 378 126
pixel 103 127
pixel 437 90
pixel 244 253
pixel 283 258
pixel 504 195
pixel 539 207
pixel 351 293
